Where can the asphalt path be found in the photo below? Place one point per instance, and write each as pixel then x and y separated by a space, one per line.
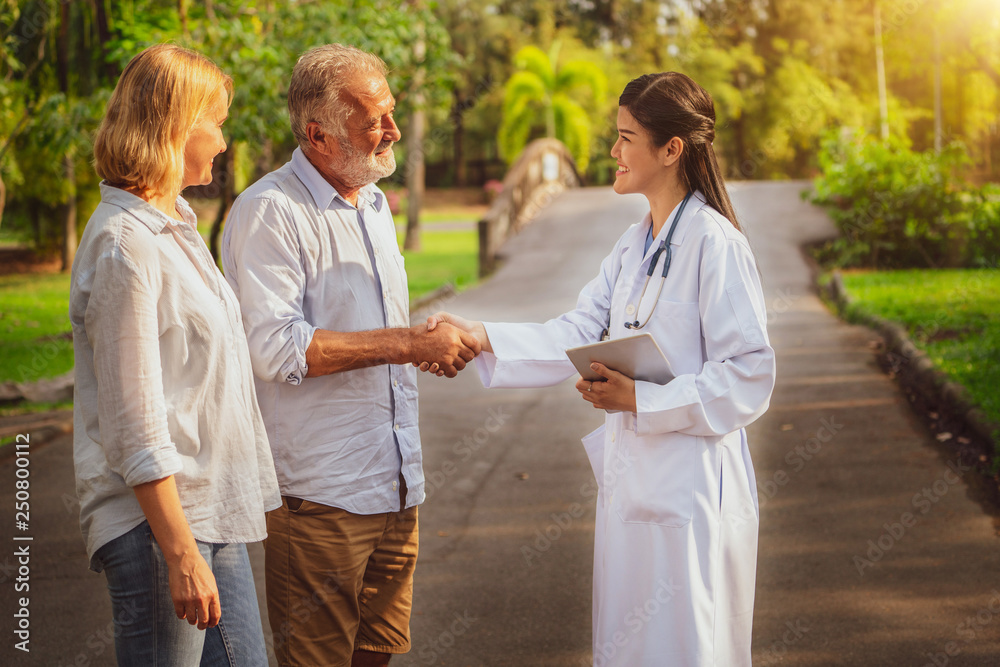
pixel 873 550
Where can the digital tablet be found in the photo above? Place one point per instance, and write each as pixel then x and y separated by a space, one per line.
pixel 638 357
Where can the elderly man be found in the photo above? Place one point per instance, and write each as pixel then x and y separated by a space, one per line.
pixel 311 252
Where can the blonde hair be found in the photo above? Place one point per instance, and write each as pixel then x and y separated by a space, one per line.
pixel 156 103
pixel 318 81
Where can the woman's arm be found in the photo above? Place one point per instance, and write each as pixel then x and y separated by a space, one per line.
pixel 122 325
pixel 534 355
pixel 192 584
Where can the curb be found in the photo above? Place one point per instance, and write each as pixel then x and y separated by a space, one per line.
pixel 906 360
pixel 446 292
pixel 40 430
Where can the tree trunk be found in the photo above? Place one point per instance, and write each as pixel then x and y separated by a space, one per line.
pixel 265 160
pixel 103 37
pixel 69 215
pixel 414 178
pixel 458 138
pixel 415 149
pixel 228 196
pixel 182 10
pixel 3 197
pixel 62 48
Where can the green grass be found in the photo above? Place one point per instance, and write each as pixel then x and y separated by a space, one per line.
pixel 952 315
pixel 34 321
pixel 446 257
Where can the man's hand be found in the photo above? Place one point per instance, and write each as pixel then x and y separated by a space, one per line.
pixel 444 346
pixel 615 392
pixel 475 328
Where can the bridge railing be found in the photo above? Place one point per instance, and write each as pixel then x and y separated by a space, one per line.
pixel 544 169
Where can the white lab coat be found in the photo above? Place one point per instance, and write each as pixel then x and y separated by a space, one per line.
pixel 676 531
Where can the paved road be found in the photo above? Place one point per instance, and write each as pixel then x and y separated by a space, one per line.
pixel 507 531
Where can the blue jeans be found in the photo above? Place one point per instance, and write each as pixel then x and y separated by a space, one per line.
pixel 148 632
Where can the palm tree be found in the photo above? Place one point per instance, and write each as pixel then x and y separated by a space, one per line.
pixel 542 91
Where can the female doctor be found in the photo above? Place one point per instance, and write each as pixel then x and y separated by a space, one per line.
pixel 677 514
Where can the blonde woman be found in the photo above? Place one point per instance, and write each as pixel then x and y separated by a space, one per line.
pixel 173 468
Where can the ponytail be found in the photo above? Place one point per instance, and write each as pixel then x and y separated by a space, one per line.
pixel 671 104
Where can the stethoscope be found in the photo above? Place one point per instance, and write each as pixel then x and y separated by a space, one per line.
pixel 665 249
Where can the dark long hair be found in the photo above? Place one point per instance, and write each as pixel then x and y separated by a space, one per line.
pixel 671 104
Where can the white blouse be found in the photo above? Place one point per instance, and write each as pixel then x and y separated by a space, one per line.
pixel 164 384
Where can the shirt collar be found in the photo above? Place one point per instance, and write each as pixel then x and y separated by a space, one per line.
pixel 638 237
pixel 325 195
pixel 143 211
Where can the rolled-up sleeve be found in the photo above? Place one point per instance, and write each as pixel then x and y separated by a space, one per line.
pixel 268 278
pixel 122 327
pixel 734 386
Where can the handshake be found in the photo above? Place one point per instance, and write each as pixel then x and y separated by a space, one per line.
pixel 447 343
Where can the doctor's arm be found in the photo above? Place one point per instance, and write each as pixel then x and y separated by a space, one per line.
pixel 534 355
pixel 734 385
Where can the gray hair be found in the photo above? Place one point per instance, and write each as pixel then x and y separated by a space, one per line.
pixel 318 80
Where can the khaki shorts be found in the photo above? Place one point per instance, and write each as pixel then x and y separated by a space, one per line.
pixel 338 582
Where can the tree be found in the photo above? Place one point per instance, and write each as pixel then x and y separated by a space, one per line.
pixel 541 88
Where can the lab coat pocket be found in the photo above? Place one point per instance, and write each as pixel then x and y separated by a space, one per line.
pixel 593 444
pixel 657 486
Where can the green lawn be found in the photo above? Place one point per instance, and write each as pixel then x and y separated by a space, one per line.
pixel 952 315
pixel 446 257
pixel 35 333
pixel 34 323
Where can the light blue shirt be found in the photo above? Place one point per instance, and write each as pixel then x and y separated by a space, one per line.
pixel 301 258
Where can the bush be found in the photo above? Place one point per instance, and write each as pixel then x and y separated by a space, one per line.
pixel 898 208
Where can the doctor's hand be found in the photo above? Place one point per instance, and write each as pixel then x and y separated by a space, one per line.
pixel 615 392
pixel 474 328
pixel 448 347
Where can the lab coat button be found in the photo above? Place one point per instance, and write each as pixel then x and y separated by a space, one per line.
pixel 629 309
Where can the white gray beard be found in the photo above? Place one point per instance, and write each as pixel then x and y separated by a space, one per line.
pixel 358 169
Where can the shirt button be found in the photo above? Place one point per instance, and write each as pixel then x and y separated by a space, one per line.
pixel 630 309
pixel 376 252
pixel 396 427
pixel 612 437
pixel 395 383
pixel 395 485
